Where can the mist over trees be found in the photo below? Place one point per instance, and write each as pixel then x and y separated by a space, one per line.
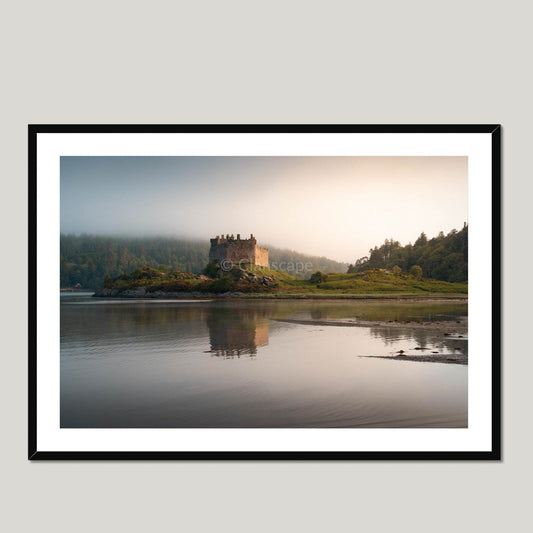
pixel 302 265
pixel 87 259
pixel 444 257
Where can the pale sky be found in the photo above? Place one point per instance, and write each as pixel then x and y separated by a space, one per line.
pixel 338 207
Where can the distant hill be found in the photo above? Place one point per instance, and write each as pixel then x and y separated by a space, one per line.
pixel 444 257
pixel 88 259
pixel 302 265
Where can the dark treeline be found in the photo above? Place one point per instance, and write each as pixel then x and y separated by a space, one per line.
pixel 87 259
pixel 444 257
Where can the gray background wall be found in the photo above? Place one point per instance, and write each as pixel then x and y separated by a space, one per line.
pixel 266 62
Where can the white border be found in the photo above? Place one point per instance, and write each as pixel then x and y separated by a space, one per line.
pixel 477 437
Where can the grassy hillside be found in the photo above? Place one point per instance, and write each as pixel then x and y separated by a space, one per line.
pixel 253 280
pixel 383 281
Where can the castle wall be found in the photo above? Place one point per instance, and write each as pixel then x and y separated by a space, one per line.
pixel 261 256
pixel 238 251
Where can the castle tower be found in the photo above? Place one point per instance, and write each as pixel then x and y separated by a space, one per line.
pixel 237 251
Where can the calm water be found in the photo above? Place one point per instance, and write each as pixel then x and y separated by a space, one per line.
pixel 157 363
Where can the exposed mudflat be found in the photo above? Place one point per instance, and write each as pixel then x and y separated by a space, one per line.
pixel 440 350
pixel 455 329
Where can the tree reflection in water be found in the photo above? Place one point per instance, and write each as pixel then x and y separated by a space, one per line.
pixel 429 339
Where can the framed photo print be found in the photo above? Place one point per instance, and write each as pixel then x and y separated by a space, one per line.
pixel 264 292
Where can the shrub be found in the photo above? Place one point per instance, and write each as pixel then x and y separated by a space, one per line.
pixel 318 277
pixel 211 269
pixel 416 271
pixel 178 285
pixel 221 285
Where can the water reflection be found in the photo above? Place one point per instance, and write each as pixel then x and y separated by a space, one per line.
pixel 226 364
pixel 241 328
pixel 428 339
pixel 234 334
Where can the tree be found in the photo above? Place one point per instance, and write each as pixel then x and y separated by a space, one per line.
pixel 358 265
pixel 421 240
pixel 396 270
pixel 416 271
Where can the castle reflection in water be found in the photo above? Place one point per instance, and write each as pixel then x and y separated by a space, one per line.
pixel 238 335
pixel 231 329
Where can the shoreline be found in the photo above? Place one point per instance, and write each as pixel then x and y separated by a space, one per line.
pixel 447 359
pixel 408 297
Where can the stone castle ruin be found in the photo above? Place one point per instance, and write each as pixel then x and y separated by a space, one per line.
pixel 237 251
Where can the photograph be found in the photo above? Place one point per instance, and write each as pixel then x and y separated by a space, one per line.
pixel 228 293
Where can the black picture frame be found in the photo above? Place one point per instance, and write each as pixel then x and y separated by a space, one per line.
pixel 494 454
